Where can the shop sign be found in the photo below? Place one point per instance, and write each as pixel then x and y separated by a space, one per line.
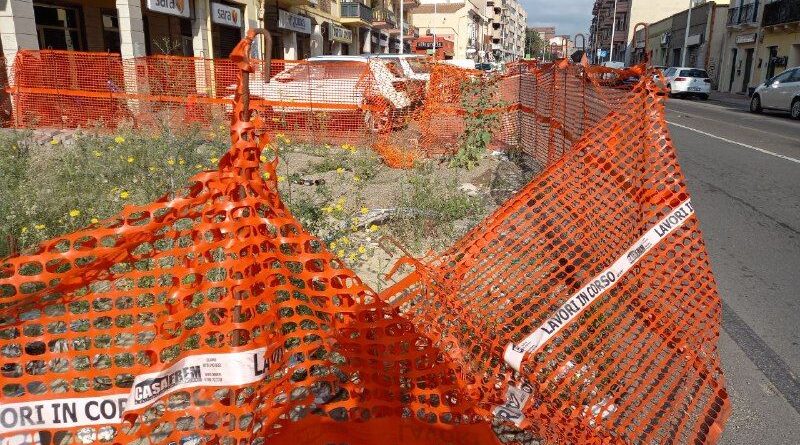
pixel 226 15
pixel 428 45
pixel 179 8
pixel 340 34
pixel 294 22
pixel 746 38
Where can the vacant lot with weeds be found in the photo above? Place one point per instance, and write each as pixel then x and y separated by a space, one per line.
pixel 341 193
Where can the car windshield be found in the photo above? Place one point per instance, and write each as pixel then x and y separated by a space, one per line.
pixel 419 65
pixel 694 73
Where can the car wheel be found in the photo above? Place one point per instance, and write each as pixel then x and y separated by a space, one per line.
pixel 703 96
pixel 669 91
pixel 796 109
pixel 755 104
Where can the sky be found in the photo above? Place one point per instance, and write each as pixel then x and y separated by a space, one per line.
pixel 568 16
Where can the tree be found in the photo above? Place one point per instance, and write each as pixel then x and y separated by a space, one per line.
pixel 534 44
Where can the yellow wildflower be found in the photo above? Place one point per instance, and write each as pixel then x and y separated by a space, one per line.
pixel 340 170
pixel 356 178
pixel 124 194
pixel 74 213
pixel 212 135
pixel 181 161
pixel 352 256
pixel 362 250
pixel 97 154
pixel 333 245
pixel 373 228
pixel 94 220
pixel 214 160
pixel 39 226
pixel 339 207
pixel 119 139
pixel 344 240
pixel 171 161
pixel 23 230
pixel 340 253
pixel 327 209
pixel 266 175
pixel 354 219
pixel 364 210
pixel 281 178
pixel 198 166
pixel 262 158
pixel 54 141
pixel 327 145
pixel 279 135
pixel 130 159
pixel 340 200
pixel 151 168
pixel 345 146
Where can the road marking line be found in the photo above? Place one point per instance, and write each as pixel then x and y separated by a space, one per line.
pixel 771 153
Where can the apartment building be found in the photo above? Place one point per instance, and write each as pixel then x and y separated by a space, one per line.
pixel 763 39
pixel 205 28
pixel 507 22
pixel 458 24
pixel 702 46
pixel 619 17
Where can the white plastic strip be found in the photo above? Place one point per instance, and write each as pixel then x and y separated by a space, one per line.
pixel 598 286
pixel 229 369
pixel 225 369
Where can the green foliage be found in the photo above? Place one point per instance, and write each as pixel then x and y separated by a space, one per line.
pixel 478 96
pixel 428 206
pixel 49 190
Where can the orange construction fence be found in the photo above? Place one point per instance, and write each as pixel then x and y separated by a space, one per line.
pixel 582 311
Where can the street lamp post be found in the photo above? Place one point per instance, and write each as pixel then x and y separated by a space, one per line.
pixel 613 30
pixel 686 35
pixel 402 30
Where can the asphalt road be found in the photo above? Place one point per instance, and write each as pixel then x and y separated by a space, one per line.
pixel 743 172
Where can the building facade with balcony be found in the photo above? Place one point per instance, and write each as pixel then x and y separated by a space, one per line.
pixel 621 17
pixel 743 33
pixel 780 49
pixel 459 21
pixel 507 22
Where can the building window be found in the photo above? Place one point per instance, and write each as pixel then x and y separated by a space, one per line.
pixel 58 27
pixel 111 31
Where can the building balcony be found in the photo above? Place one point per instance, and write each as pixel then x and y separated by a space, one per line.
pixel 354 13
pixel 410 3
pixel 621 35
pixel 744 17
pixel 382 18
pixel 781 12
pixel 412 32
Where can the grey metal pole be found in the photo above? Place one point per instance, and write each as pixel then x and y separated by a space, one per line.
pixel 686 35
pixel 613 30
pixel 402 29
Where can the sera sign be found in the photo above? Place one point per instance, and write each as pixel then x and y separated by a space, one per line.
pixel 179 8
pixel 226 15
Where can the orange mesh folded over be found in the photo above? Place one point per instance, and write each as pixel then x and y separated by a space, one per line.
pixel 583 310
pixel 607 352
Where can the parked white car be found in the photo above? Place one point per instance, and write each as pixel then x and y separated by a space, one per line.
pixel 334 85
pixel 782 92
pixel 687 81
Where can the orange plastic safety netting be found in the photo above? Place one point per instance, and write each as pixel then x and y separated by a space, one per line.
pixel 584 308
pixel 212 316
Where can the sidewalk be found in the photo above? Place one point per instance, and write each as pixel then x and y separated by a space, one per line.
pixel 739 100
